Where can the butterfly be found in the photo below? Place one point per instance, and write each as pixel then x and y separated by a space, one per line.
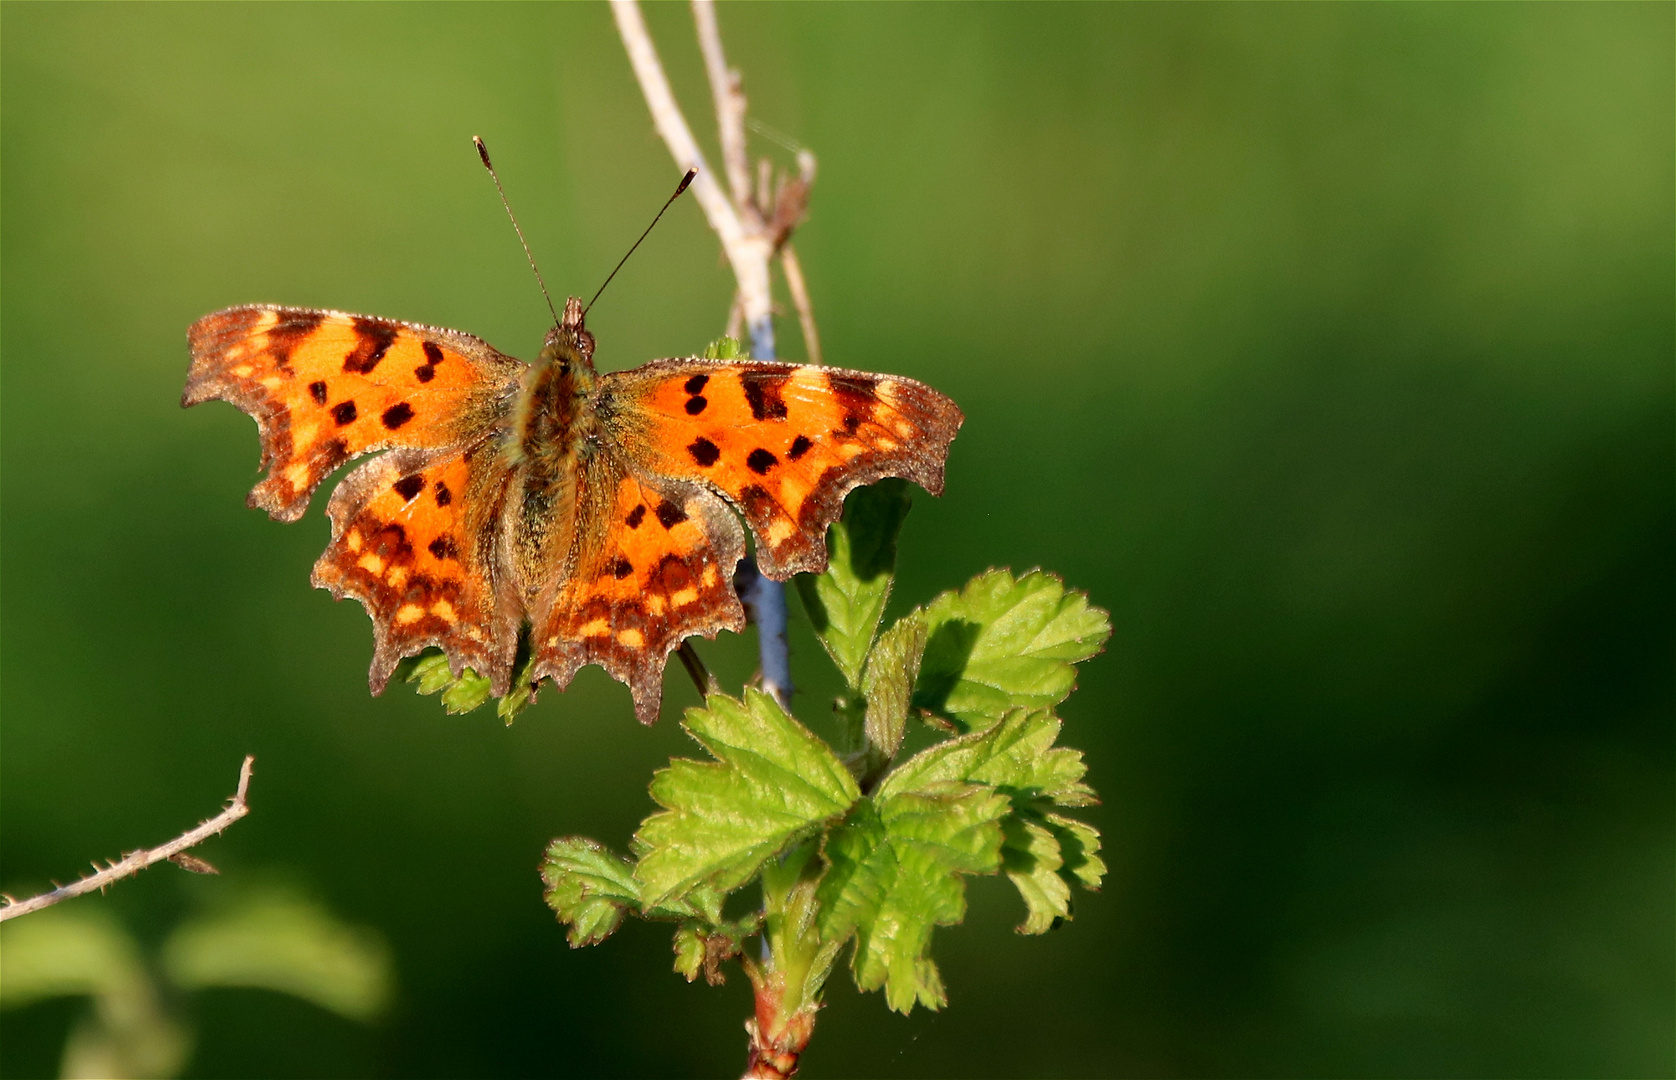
pixel 602 512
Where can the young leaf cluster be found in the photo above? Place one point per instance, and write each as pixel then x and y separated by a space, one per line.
pixel 859 844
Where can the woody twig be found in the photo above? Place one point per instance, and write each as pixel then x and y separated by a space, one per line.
pixel 754 224
pixel 134 862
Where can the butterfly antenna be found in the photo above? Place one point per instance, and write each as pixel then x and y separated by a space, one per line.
pixel 682 186
pixel 483 152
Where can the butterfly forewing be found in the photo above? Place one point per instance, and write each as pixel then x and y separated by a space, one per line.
pixel 783 442
pixel 325 386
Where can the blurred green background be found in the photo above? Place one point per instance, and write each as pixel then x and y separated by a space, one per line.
pixel 1330 347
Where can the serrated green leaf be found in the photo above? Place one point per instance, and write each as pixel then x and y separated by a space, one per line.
pixel 771 783
pixel 888 683
pixel 1016 753
pixel 726 348
pixel 700 948
pixel 1079 847
pixel 589 887
pixel 1031 858
pixel 689 951
pixel 1003 642
pixel 846 602
pixel 893 875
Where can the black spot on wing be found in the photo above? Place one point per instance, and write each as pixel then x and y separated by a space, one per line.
pixel 760 461
pixel 374 338
pixel 695 385
pixel 317 391
pixel 799 447
pixel 695 405
pixel 704 452
pixel 409 486
pixel 635 517
pixel 443 547
pixel 621 568
pixel 397 415
pixel 670 515
pixel 344 412
pixel 284 337
pixel 443 495
pixel 763 393
pixel 433 357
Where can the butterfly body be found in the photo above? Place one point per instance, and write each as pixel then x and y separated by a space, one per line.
pixel 598 510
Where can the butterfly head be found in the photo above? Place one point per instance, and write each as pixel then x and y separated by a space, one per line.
pixel 569 346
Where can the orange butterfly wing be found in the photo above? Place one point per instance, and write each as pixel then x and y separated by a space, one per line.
pixel 325 386
pixel 650 563
pixel 782 442
pixel 414 538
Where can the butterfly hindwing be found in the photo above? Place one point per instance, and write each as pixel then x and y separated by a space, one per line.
pixel 783 442
pixel 651 563
pixel 413 539
pixel 325 386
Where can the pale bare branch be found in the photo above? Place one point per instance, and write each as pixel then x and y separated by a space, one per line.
pixel 727 87
pixel 748 252
pixel 134 862
pixel 800 297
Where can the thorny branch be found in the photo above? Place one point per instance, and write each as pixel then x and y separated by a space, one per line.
pixel 754 227
pixel 134 862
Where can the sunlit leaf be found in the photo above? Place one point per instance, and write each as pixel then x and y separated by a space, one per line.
pixel 1003 642
pixel 894 875
pixel 846 602
pixel 771 783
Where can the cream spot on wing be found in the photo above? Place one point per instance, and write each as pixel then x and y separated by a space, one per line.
pixel 885 389
pixel 684 597
pixel 264 321
pixel 886 444
pixel 272 382
pixel 408 613
pixel 903 428
pixel 778 530
pixel 794 488
pixel 443 610
pixel 848 450
pixel 303 434
pixel 597 628
pixel 655 604
pixel 353 540
pixel 242 370
pixel 631 637
pixel 709 576
pixel 297 474
pixel 397 577
pixel 371 563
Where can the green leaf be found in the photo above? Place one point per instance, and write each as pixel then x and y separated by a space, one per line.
pixel 888 683
pixel 466 691
pixel 772 782
pixel 1079 846
pixel 1044 851
pixel 846 602
pixel 276 939
pixel 1032 860
pixel 690 950
pixel 460 693
pixel 893 875
pixel 1016 753
pixel 1004 642
pixel 726 348
pixel 700 948
pixel 588 887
